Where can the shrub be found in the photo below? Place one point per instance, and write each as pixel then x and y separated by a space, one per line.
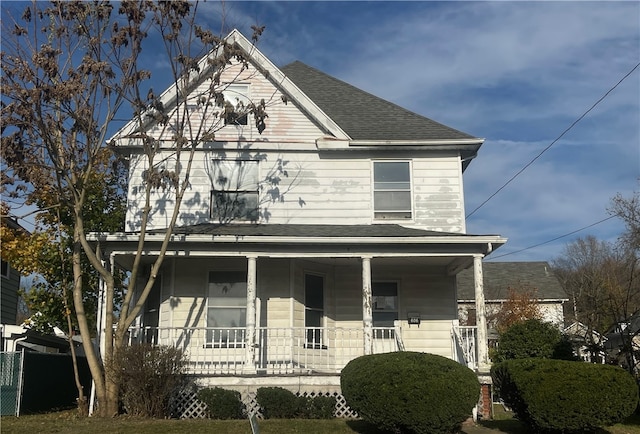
pixel 222 403
pixel 532 338
pixel 149 375
pixel 317 407
pixel 564 395
pixel 278 403
pixel 410 392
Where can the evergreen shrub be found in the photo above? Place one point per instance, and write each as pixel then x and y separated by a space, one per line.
pixel 222 403
pixel 279 403
pixel 566 396
pixel 410 392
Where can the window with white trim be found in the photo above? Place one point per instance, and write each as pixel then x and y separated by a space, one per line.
pixel 313 309
pixel 235 190
pixel 226 308
pixel 5 269
pixel 385 303
pixel 391 190
pixel 236 100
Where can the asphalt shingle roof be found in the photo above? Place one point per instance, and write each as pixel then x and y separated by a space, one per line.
pixel 285 230
pixel 498 276
pixel 364 116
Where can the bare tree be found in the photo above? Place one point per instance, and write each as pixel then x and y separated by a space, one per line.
pixel 69 68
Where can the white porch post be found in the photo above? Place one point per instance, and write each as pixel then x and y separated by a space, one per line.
pixel 481 317
pixel 250 339
pixel 367 311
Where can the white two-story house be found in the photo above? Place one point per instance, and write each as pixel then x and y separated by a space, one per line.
pixel 335 232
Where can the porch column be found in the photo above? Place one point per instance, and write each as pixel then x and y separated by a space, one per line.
pixel 367 311
pixel 481 317
pixel 250 338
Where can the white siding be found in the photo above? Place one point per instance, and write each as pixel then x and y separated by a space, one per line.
pixel 298 183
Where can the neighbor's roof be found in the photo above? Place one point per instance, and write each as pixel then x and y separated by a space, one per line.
pixel 362 115
pixel 499 276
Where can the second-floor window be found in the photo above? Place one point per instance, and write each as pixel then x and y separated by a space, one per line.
pixel 235 190
pixel 391 190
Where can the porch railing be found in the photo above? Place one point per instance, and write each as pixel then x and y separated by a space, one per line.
pixel 297 350
pixel 465 341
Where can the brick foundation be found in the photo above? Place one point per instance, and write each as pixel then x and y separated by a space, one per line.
pixel 485 404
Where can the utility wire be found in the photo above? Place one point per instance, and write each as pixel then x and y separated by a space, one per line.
pixel 553 143
pixel 552 240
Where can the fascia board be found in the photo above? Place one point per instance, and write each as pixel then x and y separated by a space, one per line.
pixel 331 144
pixel 251 239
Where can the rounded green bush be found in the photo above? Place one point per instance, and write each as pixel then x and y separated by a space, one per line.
pixel 532 338
pixel 567 396
pixel 222 403
pixel 410 392
pixel 278 403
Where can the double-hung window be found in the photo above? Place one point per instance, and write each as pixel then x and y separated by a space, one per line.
pixel 385 306
pixel 313 309
pixel 392 190
pixel 226 308
pixel 235 190
pixel 5 269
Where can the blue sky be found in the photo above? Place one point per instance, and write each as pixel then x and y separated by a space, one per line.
pixel 515 73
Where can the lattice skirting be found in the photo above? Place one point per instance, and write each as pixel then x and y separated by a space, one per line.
pixel 186 404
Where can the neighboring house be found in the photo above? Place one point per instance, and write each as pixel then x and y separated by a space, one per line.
pixel 499 277
pixel 588 344
pixel 623 343
pixel 10 284
pixel 337 232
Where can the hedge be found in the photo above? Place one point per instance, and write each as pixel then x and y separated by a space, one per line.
pixel 410 392
pixel 222 403
pixel 567 396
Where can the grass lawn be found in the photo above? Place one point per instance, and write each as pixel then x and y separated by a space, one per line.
pixel 67 422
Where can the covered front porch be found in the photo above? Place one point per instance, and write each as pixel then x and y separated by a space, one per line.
pixel 269 301
pixel 286 351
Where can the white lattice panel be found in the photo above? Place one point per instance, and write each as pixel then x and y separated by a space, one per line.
pixel 186 405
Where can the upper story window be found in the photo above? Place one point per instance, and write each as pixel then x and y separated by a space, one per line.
pixel 235 190
pixel 392 190
pixel 5 269
pixel 237 96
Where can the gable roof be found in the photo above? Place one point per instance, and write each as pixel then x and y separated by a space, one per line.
pixel 364 116
pixel 499 276
pixel 349 116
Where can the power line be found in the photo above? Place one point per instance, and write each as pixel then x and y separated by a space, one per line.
pixel 553 143
pixel 552 240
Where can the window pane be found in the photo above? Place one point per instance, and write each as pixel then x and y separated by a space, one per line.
pixel 314 291
pixel 391 171
pixel 384 319
pixel 392 201
pixel 227 288
pixel 226 317
pixel 235 174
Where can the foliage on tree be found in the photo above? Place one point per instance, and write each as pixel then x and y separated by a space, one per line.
pixel 602 278
pixel 532 338
pixel 521 304
pixel 70 71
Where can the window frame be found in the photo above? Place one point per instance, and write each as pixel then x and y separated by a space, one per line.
pixel 235 100
pixel 212 341
pixel 5 270
pixel 384 215
pixel 243 190
pixel 374 310
pixel 311 341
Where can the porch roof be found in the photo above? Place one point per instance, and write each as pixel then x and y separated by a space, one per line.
pixel 454 250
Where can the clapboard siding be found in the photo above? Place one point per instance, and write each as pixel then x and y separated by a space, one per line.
pixel 313 190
